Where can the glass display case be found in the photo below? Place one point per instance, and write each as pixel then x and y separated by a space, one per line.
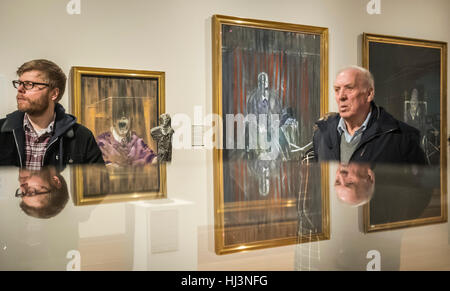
pixel 382 217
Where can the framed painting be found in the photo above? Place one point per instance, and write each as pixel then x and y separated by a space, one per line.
pixel 411 83
pixel 269 87
pixel 120 107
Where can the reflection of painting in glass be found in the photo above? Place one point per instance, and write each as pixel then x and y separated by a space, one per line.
pixel 405 193
pixel 101 111
pixel 297 217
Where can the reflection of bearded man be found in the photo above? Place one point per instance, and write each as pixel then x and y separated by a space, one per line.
pixel 354 183
pixel 122 147
pixel 44 193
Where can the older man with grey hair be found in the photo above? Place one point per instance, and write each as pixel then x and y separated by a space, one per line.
pixel 361 131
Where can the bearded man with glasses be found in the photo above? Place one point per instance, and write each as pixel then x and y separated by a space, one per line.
pixel 40 133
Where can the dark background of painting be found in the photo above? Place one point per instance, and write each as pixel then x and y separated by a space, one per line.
pixel 399 68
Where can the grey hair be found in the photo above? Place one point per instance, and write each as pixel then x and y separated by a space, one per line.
pixel 366 75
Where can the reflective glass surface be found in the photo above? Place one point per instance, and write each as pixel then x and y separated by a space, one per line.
pixel 324 217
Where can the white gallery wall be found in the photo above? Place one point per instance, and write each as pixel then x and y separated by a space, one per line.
pixel 174 36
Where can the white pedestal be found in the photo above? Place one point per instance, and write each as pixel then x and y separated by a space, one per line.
pixel 165 236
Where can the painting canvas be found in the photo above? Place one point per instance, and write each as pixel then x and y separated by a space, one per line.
pixel 120 107
pixel 269 89
pixel 411 83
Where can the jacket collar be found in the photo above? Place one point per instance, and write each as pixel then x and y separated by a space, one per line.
pixel 63 121
pixel 13 121
pixel 379 123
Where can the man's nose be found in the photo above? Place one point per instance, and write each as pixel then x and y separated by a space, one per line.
pixel 24 187
pixel 340 180
pixel 341 95
pixel 21 88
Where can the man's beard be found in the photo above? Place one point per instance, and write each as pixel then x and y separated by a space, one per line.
pixel 34 107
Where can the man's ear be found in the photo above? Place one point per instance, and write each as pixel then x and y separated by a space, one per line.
pixel 371 176
pixel 370 94
pixel 57 182
pixel 54 94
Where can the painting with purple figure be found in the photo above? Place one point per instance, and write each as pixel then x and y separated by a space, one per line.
pixel 120 107
pixel 121 145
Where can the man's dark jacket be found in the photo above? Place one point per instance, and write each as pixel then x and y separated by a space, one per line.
pixel 71 143
pixel 385 140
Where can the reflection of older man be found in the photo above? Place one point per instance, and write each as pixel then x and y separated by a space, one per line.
pixel 354 183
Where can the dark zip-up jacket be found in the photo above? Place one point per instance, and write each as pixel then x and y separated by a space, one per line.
pixel 71 143
pixel 385 140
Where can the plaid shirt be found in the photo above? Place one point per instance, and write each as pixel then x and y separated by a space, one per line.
pixel 36 145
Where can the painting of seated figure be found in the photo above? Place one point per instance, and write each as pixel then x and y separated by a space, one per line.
pixel 120 107
pixel 121 145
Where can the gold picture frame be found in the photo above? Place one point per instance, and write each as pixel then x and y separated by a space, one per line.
pixel 407 71
pixel 118 104
pixel 292 61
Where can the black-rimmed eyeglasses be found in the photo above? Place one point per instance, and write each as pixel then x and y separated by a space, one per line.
pixel 28 85
pixel 30 192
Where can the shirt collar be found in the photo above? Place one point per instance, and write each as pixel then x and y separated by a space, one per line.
pixel 343 128
pixel 28 126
